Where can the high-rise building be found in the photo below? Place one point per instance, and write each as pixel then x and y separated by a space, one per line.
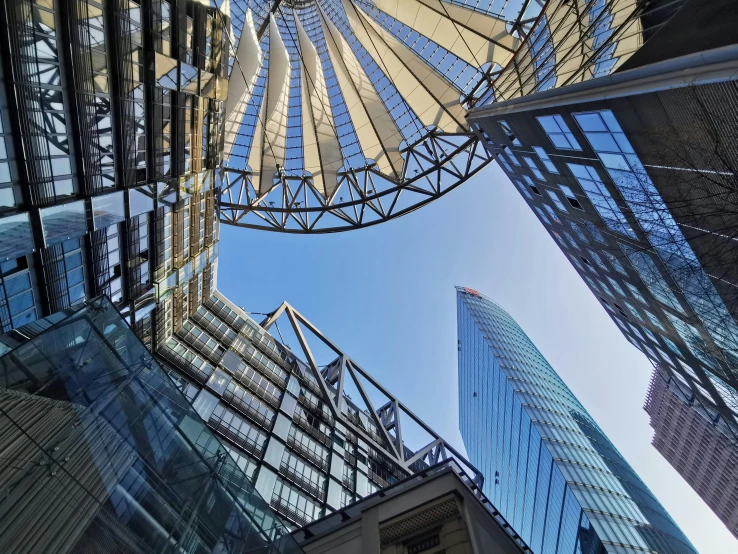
pixel 551 471
pixel 696 444
pixel 313 434
pixel 111 135
pixel 281 434
pixel 630 167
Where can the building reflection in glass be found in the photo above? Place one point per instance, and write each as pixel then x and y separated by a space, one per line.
pixel 101 452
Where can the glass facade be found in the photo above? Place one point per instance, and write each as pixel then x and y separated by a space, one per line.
pixel 626 170
pixel 549 469
pixel 661 268
pixel 306 456
pixel 120 195
pixel 116 191
pixel 123 182
pixel 102 453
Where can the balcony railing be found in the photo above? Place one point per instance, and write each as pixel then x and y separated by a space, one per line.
pixel 305 484
pixel 223 333
pixel 252 356
pixel 321 411
pixel 226 315
pixel 312 385
pixel 264 346
pixel 377 479
pixel 289 511
pixel 248 410
pixel 315 433
pixel 213 355
pixel 244 379
pixel 184 365
pixel 224 430
pixel 309 455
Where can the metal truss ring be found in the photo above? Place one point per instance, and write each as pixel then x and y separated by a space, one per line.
pixel 433 166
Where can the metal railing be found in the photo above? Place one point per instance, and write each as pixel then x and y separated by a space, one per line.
pixel 315 433
pixel 248 410
pixel 289 511
pixel 309 455
pixel 302 482
pixel 248 445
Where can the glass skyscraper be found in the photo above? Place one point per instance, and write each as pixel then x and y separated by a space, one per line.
pixel 550 470
pixel 633 171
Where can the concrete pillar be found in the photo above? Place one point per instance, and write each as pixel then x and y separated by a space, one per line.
pixel 370 531
pixel 454 537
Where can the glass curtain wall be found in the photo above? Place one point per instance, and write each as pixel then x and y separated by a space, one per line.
pixel 549 469
pixel 102 453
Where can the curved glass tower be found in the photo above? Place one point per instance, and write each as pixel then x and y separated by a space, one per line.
pixel 551 471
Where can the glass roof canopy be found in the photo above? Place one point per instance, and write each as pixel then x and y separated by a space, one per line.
pixel 346 113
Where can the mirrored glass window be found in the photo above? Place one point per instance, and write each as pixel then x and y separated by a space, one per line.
pixel 63 222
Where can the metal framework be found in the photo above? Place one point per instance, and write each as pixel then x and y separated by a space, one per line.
pixel 572 42
pixel 346 113
pixel 364 197
pixel 388 418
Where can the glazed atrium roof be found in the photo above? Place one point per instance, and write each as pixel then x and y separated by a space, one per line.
pixel 346 113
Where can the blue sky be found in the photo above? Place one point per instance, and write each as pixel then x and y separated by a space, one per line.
pixel 385 295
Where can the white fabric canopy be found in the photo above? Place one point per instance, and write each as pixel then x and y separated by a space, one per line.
pixel 368 86
pixel 371 74
pixel 375 128
pixel 474 37
pixel 432 98
pixel 241 84
pixel 266 158
pixel 322 152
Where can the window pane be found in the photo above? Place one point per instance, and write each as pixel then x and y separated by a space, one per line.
pixel 108 209
pixel 62 222
pixel 75 277
pixel 17 284
pixel 20 303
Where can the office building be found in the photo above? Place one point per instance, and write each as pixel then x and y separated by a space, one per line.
pixel 306 445
pixel 261 441
pixel 111 135
pixel 129 129
pixel 696 444
pixel 551 471
pixel 632 172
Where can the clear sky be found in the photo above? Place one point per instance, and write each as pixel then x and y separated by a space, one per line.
pixel 385 295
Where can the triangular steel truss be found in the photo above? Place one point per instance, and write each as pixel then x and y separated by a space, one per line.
pixel 433 166
pixel 388 418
